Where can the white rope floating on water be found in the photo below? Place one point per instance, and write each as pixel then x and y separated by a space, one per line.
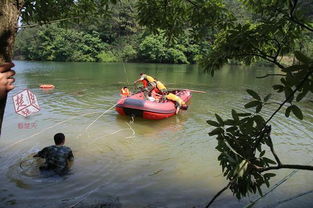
pixel 50 127
pixel 133 135
pixel 99 117
pixel 85 196
pixel 57 124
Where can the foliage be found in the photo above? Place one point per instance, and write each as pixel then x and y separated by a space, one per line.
pixel 155 48
pixel 49 10
pixel 270 30
pixel 177 16
pixel 107 57
pixel 56 44
pixel 123 38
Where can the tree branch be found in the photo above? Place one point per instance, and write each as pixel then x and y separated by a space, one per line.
pixel 272 147
pixel 287 166
pixel 44 23
pixel 278 109
pixel 267 75
pixel 294 19
pixel 217 195
pixel 193 3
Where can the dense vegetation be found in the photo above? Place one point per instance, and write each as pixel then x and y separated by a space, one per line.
pixel 113 38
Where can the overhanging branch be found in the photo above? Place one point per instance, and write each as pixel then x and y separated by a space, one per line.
pixel 287 166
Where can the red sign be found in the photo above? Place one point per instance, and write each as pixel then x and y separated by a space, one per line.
pixel 25 103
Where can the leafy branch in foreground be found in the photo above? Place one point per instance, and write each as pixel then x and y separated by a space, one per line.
pixel 275 29
pixel 242 140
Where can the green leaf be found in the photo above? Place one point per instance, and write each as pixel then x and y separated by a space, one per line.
pixel 267 182
pixel 302 58
pixel 258 108
pixel 216 131
pixel 268 161
pixel 287 112
pixel 269 175
pixel 244 114
pixel 302 95
pixel 297 112
pixel 260 190
pixel 229 122
pixel 267 97
pixel 235 115
pixel 213 123
pixel 278 88
pixel 242 168
pixel 219 119
pixel 293 68
pixel 254 94
pixel 288 94
pixel 252 104
pixel 262 153
pixel 259 120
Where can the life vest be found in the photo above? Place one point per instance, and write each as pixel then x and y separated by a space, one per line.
pixel 145 83
pixel 149 78
pixel 175 98
pixel 156 90
pixel 125 92
pixel 160 85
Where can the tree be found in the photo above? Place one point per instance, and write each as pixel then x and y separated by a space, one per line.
pixel 41 12
pixel 274 29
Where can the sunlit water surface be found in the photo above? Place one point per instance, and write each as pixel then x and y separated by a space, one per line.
pixel 168 163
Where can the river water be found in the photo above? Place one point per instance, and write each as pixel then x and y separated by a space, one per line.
pixel 144 164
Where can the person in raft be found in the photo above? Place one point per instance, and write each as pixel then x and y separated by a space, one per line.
pixel 58 157
pixel 160 88
pixel 125 92
pixel 179 103
pixel 159 91
pixel 151 81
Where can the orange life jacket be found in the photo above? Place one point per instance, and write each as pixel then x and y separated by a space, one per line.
pixel 145 83
pixel 125 92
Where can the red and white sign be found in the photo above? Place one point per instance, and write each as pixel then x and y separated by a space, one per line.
pixel 25 103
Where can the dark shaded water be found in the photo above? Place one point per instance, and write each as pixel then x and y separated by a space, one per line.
pixel 168 163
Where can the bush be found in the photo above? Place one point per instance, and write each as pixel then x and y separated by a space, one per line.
pixel 107 57
pixel 53 43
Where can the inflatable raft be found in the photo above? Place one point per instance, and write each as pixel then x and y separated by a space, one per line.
pixel 137 105
pixel 47 86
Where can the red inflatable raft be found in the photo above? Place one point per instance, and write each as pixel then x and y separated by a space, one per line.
pixel 136 105
pixel 47 86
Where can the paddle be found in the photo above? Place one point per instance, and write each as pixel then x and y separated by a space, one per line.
pixel 196 91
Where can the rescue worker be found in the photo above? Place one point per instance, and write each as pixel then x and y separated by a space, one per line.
pixel 160 88
pixel 179 103
pixel 125 92
pixel 151 80
pixel 58 156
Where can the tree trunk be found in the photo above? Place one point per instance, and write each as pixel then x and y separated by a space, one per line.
pixel 9 14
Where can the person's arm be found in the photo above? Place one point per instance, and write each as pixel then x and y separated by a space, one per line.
pixel 42 153
pixel 138 80
pixel 70 159
pixel 6 78
pixel 177 109
pixel 70 156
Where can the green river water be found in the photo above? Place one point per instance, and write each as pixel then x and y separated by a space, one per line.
pixel 141 164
